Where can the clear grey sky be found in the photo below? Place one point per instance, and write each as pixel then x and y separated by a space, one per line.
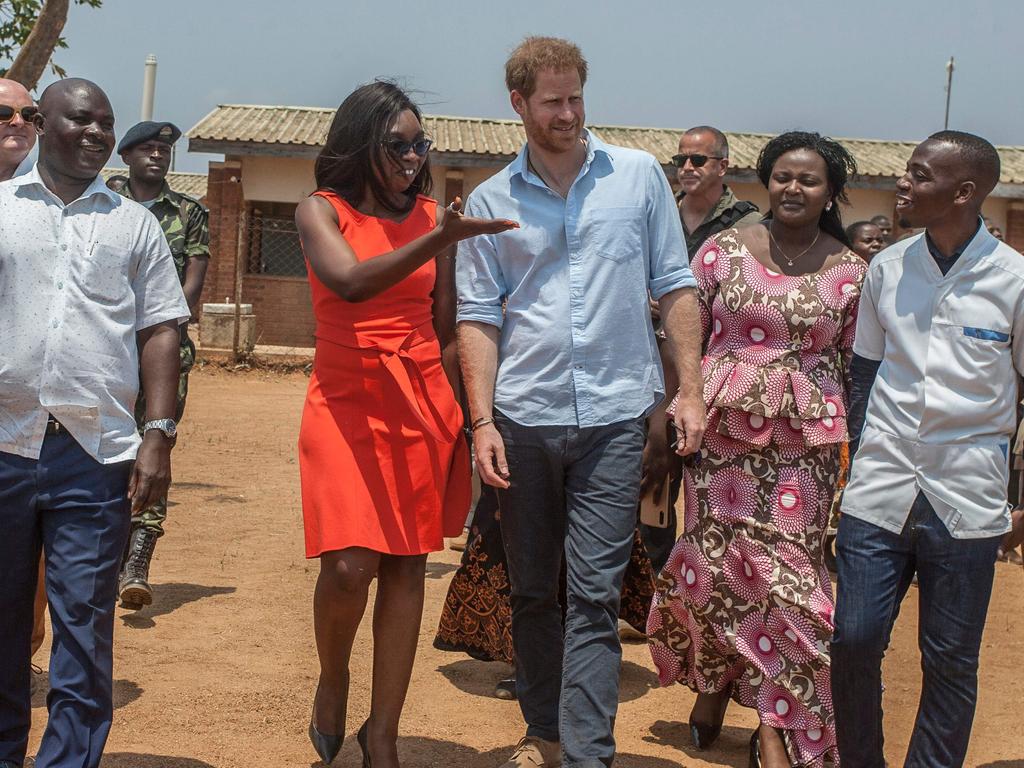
pixel 861 68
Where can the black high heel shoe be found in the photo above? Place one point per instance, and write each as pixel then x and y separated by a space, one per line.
pixel 703 735
pixel 755 749
pixel 326 745
pixel 361 738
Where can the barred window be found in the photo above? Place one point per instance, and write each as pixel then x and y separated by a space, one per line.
pixel 273 241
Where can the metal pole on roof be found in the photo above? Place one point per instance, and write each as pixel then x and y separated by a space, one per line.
pixel 148 87
pixel 950 66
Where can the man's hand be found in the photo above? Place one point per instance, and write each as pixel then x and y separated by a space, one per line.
pixel 1015 537
pixel 151 475
pixel 690 419
pixel 489 452
pixel 655 467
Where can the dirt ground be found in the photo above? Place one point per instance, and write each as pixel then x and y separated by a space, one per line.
pixel 219 672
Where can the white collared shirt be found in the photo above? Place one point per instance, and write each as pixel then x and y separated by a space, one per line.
pixel 77 282
pixel 943 407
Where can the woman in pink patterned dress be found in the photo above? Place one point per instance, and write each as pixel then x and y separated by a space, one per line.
pixel 743 609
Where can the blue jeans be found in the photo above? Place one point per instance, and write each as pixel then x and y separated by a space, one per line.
pixel 875 568
pixel 573 490
pixel 77 510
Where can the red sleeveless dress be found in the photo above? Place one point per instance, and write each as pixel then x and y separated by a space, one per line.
pixel 382 457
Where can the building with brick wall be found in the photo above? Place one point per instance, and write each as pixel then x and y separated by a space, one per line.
pixel 268 169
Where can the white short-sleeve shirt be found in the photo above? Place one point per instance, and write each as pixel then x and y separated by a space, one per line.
pixel 77 282
pixel 942 410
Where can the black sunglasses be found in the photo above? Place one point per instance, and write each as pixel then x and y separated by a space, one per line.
pixel 697 161
pixel 400 148
pixel 7 113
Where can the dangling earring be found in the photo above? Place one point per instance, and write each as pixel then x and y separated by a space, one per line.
pixel 828 206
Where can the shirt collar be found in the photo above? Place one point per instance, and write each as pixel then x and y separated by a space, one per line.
pixel 520 166
pixel 96 187
pixel 726 201
pixel 164 194
pixel 937 254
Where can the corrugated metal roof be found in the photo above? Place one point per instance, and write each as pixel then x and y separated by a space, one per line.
pixel 306 127
pixel 191 184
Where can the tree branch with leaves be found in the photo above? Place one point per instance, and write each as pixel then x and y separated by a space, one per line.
pixel 30 31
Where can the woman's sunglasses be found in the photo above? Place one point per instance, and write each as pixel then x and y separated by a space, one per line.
pixel 28 114
pixel 697 161
pixel 399 148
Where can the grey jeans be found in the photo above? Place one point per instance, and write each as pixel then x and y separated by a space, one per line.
pixel 573 491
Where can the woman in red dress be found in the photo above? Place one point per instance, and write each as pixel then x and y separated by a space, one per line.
pixel 383 461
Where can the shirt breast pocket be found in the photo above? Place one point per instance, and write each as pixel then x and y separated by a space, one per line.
pixel 616 233
pixel 103 273
pixel 977 350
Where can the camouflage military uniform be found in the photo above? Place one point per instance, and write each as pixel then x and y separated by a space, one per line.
pixel 184 222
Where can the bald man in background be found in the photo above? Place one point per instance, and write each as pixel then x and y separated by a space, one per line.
pixel 17 132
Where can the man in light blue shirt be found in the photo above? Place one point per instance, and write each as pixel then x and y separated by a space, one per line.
pixel 561 368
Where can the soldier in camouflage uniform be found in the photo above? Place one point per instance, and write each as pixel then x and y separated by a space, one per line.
pixel 146 150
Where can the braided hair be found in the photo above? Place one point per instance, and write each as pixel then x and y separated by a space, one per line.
pixel 838 162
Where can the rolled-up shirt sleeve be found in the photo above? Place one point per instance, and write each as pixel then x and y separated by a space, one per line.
pixel 479 283
pixel 669 266
pixel 158 293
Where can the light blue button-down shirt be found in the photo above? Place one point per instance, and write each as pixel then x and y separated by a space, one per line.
pixel 577 346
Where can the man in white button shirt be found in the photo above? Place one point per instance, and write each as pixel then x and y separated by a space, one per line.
pixel 87 288
pixel 940 340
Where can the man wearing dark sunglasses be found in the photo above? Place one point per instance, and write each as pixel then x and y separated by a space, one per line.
pixel 17 133
pixel 706 205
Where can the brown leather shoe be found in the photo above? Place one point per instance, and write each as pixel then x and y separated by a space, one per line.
pixel 535 753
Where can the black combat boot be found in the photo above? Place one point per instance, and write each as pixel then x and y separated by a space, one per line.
pixel 133 586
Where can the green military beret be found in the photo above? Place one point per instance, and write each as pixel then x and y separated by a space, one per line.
pixel 149 130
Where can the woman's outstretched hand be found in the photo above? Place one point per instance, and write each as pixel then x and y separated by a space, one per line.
pixel 457 226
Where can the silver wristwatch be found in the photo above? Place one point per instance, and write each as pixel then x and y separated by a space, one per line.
pixel 167 426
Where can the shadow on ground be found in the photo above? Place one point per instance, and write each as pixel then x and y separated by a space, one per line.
pixel 419 752
pixel 478 678
pixel 133 760
pixel 440 570
pixel 167 598
pixel 125 692
pixel 732 748
pixel 635 681
pixel 194 486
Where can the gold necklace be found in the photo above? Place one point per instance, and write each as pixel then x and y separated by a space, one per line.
pixel 790 261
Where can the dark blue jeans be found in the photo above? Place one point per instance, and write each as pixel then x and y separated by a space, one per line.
pixel 875 568
pixel 575 491
pixel 77 510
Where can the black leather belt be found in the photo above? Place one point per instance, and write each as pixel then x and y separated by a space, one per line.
pixel 54 427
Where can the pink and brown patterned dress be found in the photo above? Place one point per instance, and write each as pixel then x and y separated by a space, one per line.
pixel 744 601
